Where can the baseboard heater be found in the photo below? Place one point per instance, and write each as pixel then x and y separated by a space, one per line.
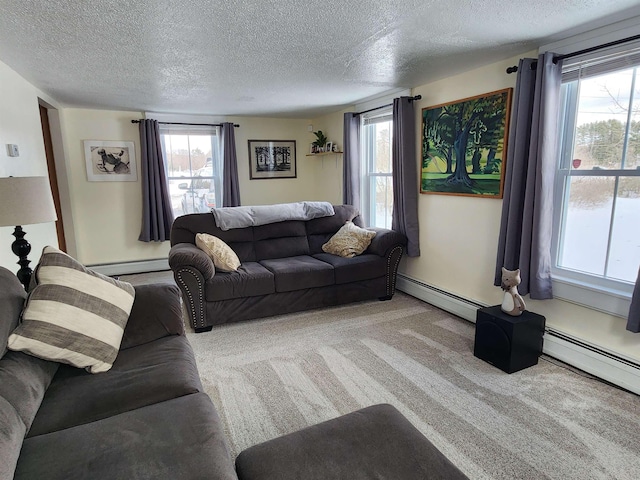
pixel 127 268
pixel 554 333
pixel 460 306
pixel 601 363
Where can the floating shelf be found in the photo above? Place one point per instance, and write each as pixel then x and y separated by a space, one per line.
pixel 323 154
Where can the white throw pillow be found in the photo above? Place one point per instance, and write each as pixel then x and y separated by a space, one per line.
pixel 349 241
pixel 224 258
pixel 74 315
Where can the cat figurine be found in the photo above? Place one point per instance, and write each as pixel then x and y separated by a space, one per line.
pixel 513 304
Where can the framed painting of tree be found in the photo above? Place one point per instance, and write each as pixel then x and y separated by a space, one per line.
pixel 464 145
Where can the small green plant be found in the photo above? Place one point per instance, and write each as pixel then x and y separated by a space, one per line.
pixel 321 139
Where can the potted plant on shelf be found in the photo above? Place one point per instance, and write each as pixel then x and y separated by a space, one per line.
pixel 321 140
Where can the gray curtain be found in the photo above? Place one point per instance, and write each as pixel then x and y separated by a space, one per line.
pixel 351 160
pixel 157 215
pixel 633 323
pixel 230 184
pixel 404 218
pixel 527 206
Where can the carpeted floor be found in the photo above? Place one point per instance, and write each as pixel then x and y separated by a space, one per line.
pixel 273 376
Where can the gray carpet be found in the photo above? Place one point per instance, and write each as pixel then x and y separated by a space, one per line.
pixel 273 376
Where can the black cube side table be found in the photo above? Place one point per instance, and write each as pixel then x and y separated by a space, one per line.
pixel 507 342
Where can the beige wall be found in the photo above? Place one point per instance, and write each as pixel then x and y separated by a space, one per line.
pixel 458 235
pixel 20 124
pixel 310 183
pixel 328 168
pixel 108 214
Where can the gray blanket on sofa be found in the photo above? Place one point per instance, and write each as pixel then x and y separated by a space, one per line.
pixel 240 217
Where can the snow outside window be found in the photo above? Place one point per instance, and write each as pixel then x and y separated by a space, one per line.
pixel 597 219
pixel 377 185
pixel 194 168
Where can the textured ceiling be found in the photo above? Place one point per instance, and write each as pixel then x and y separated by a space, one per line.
pixel 270 57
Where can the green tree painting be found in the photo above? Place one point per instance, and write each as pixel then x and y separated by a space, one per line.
pixel 464 145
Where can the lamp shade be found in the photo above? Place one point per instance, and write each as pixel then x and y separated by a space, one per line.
pixel 25 201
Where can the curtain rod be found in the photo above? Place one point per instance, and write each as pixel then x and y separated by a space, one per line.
pixel 411 99
pixel 581 52
pixel 196 124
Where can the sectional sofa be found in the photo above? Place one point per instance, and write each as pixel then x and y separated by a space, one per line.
pixel 147 417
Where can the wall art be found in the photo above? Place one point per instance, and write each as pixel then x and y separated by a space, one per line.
pixel 110 161
pixel 464 145
pixel 272 159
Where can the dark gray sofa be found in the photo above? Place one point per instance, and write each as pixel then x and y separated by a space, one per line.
pixel 283 268
pixel 147 417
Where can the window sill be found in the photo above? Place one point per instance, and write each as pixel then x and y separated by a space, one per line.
pixel 606 300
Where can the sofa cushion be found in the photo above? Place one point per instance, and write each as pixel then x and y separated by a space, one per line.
pixel 186 227
pixel 23 378
pixel 296 273
pixel 349 241
pixel 73 315
pixel 23 382
pixel 12 296
pixel 362 267
pixel 343 214
pixel 156 313
pixel 180 438
pixel 142 375
pixel 320 230
pixel 250 280
pixel 223 257
pixel 279 240
pixel 12 432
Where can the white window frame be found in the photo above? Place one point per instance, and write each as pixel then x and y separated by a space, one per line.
pixel 367 200
pixel 216 157
pixel 597 292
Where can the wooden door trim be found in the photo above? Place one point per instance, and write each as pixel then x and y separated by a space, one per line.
pixel 53 176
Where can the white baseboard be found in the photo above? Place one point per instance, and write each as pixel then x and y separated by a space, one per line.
pixel 439 298
pixel 613 370
pixel 132 267
pixel 565 348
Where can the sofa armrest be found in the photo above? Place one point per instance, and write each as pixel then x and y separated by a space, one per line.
pixel 156 313
pixel 385 240
pixel 191 269
pixel 188 255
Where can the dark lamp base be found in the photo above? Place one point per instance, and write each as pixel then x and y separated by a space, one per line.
pixel 22 248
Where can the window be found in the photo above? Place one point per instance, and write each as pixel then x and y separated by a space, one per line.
pixel 194 168
pixel 377 188
pixel 597 234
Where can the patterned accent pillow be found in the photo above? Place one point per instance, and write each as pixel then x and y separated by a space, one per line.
pixel 224 258
pixel 349 241
pixel 73 315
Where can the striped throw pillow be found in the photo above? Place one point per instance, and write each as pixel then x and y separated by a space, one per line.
pixel 73 315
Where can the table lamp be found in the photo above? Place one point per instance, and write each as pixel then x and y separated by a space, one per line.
pixel 25 201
